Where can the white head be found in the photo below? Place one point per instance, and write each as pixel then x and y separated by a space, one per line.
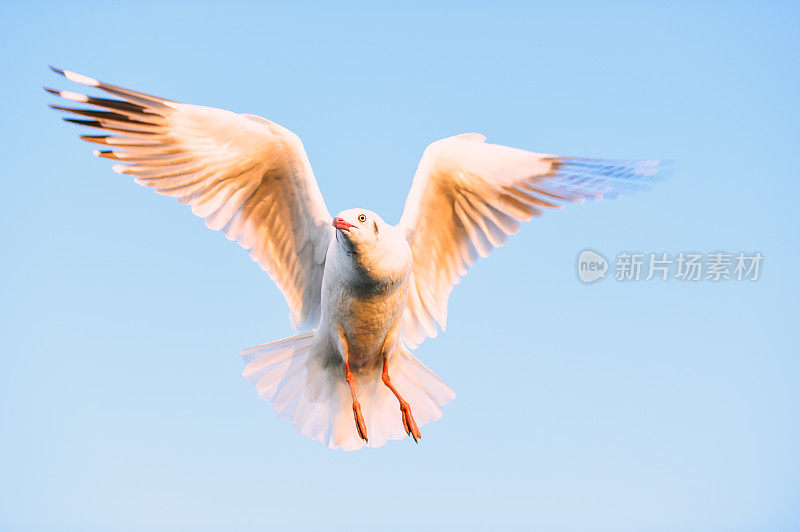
pixel 358 230
pixel 372 247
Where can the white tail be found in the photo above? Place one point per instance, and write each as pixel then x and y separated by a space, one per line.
pixel 311 392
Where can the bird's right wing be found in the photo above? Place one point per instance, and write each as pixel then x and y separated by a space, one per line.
pixel 246 176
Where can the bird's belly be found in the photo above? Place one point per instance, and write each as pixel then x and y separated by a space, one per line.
pixel 367 318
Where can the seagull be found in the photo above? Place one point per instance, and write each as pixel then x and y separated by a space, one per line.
pixel 366 292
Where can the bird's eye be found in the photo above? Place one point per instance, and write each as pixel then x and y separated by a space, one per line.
pixel 362 218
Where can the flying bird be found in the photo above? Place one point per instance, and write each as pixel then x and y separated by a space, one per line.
pixel 366 292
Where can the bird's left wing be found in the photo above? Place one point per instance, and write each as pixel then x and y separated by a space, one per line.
pixel 246 176
pixel 468 196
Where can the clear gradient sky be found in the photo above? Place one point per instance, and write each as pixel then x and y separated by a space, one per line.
pixel 615 406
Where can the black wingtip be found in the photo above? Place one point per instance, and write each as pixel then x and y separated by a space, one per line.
pixel 56 70
pixel 52 91
pixel 88 123
pixel 108 154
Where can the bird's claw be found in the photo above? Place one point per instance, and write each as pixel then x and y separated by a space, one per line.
pixel 408 422
pixel 360 425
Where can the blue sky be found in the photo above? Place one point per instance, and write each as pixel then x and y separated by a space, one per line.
pixel 614 406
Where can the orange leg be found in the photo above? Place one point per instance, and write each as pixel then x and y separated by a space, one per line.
pixel 408 419
pixel 360 425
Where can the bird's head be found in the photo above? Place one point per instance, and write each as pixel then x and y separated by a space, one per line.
pixel 358 230
pixel 369 248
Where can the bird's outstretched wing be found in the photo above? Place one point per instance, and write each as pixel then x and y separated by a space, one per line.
pixel 246 176
pixel 468 196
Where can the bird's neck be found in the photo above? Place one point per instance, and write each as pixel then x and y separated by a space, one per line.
pixel 384 265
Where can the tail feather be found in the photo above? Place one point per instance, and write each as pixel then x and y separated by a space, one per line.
pixel 315 397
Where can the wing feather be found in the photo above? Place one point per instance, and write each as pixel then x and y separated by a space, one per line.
pixel 468 197
pixel 246 176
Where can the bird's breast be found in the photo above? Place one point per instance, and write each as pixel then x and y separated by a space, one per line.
pixel 365 309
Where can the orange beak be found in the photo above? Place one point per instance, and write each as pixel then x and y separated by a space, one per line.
pixel 339 223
